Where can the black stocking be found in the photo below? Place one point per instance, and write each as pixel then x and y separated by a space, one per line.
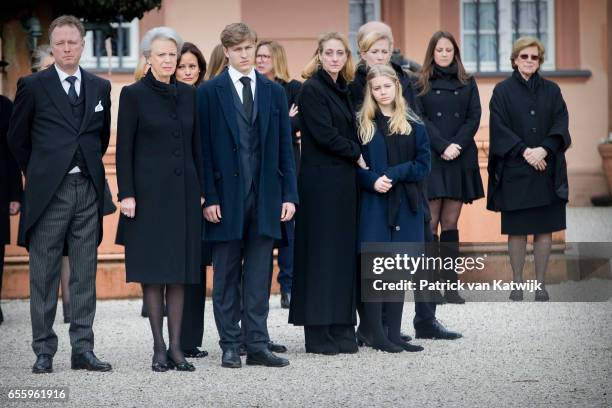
pixel 434 208
pixel 541 251
pixel 153 299
pixel 175 298
pixel 517 248
pixel 449 214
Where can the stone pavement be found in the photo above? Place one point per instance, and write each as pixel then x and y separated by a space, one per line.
pixel 513 354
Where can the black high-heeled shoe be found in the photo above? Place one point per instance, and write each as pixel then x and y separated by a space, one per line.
pixel 158 366
pixel 180 366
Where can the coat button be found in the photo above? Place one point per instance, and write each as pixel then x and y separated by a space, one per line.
pixel 532 112
pixel 178 171
pixel 533 130
pixel 175 134
pixel 438 92
pixel 439 114
pixel 456 92
pixel 173 115
pixel 456 114
pixel 234 149
pixel 397 227
pixel 235 174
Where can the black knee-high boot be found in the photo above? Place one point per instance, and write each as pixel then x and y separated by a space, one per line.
pixel 435 296
pixel 449 248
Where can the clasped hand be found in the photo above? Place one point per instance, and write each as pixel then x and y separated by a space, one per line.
pixel 451 152
pixel 383 184
pixel 535 157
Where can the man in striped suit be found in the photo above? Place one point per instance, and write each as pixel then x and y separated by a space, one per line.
pixel 59 132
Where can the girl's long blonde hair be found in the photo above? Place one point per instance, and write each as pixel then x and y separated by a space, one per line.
pixel 399 122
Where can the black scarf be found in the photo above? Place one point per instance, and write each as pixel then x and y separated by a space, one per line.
pixel 158 86
pixel 447 73
pixel 400 149
pixel 532 83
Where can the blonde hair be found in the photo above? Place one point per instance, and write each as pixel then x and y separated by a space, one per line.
pixel 399 122
pixel 371 26
pixel 367 41
pixel 141 69
pixel 526 42
pixel 348 70
pixel 279 59
pixel 216 63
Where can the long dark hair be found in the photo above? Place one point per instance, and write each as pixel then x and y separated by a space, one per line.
pixel 428 63
pixel 189 47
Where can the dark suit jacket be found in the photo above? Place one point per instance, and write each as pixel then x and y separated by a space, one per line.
pixel 10 176
pixel 44 138
pixel 223 185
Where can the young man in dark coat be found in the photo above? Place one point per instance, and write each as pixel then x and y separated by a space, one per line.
pixel 10 185
pixel 250 188
pixel 58 134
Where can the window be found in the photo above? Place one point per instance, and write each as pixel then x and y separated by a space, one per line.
pixel 123 44
pixel 489 28
pixel 360 12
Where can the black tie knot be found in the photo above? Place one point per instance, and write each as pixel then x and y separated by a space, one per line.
pixel 72 79
pixel 246 81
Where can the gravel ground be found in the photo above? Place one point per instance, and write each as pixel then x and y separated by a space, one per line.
pixel 513 354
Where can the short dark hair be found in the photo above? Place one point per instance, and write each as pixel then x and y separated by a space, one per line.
pixel 64 21
pixel 191 48
pixel 236 33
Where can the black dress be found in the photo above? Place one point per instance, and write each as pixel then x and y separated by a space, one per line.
pixel 451 111
pixel 159 162
pixel 528 114
pixel 325 268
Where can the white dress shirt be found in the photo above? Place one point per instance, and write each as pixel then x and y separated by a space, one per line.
pixel 66 86
pixel 235 75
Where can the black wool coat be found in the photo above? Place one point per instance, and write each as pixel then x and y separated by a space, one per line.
pixel 325 266
pixel 527 114
pixel 43 137
pixel 159 163
pixel 451 112
pixel 292 90
pixel 10 176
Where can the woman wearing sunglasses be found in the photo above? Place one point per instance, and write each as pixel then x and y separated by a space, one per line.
pixel 527 171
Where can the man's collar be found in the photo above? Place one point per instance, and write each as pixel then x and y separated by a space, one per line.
pixel 235 75
pixel 63 75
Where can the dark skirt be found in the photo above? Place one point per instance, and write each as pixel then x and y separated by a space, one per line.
pixel 538 220
pixel 454 180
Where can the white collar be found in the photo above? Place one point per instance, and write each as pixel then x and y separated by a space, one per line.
pixel 63 75
pixel 235 75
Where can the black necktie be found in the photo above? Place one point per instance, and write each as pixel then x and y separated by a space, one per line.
pixel 247 97
pixel 72 95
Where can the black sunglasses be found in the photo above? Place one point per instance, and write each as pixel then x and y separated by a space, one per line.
pixel 527 56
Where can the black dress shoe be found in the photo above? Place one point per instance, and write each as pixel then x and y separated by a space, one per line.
pixel 405 338
pixel 88 361
pixel 159 367
pixel 276 348
pixel 266 358
pixel 180 366
pixel 144 312
pixel 452 296
pixel 516 295
pixel 231 359
pixel 242 350
pixel 195 353
pixel 410 347
pixel 542 296
pixel 285 300
pixel 43 364
pixel 433 329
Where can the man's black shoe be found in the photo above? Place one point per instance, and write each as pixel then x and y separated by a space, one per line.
pixel 276 348
pixel 266 358
pixel 285 300
pixel 88 361
pixel 195 353
pixel 452 296
pixel 433 329
pixel 43 364
pixel 405 338
pixel 231 359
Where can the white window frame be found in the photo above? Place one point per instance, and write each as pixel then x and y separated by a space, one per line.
pixel 90 61
pixel 505 37
pixel 352 35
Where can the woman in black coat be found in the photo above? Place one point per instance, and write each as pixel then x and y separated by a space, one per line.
pixel 325 276
pixel 11 188
pixel 450 107
pixel 271 61
pixel 159 174
pixel 527 170
pixel 190 70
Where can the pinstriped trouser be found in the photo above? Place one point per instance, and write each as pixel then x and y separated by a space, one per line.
pixel 71 216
